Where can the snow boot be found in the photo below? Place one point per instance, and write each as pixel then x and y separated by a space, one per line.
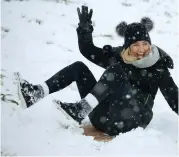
pixel 77 111
pixel 28 93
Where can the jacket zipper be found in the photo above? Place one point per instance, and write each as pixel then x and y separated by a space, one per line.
pixel 147 99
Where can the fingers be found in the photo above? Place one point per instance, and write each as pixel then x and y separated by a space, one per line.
pixel 78 10
pixel 90 13
pixel 84 10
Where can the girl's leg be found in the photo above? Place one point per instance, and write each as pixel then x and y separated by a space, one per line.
pixel 77 72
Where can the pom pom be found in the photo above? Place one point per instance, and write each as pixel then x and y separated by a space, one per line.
pixel 121 28
pixel 148 23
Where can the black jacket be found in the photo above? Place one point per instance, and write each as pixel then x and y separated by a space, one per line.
pixel 147 79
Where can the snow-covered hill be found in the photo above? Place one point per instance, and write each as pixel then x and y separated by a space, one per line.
pixel 39 38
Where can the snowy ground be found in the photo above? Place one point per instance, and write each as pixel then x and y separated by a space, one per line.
pixel 39 38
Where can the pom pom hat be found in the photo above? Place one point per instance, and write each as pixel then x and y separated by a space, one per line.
pixel 135 31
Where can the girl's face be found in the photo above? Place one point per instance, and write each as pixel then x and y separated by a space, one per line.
pixel 140 49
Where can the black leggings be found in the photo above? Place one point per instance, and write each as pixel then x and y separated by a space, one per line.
pixel 77 72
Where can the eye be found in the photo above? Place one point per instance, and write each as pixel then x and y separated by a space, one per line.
pixel 134 44
pixel 146 43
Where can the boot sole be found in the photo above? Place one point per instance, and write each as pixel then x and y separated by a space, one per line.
pixel 58 106
pixel 20 95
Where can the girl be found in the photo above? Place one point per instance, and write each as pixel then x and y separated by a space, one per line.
pixel 123 97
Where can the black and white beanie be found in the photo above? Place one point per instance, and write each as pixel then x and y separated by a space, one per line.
pixel 135 31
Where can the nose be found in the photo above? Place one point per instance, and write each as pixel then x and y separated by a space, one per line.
pixel 141 52
pixel 141 49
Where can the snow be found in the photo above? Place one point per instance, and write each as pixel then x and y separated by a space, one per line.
pixel 39 38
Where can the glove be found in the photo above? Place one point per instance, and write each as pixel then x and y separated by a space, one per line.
pixel 85 18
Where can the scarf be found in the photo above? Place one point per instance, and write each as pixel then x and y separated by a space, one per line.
pixel 144 62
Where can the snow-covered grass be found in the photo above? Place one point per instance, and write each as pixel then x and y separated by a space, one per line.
pixel 39 38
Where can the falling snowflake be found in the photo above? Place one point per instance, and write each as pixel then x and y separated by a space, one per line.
pixel 103 119
pixel 133 102
pixel 100 88
pixel 127 113
pixel 110 77
pixel 136 109
pixel 119 125
pixel 134 91
pixel 93 56
pixel 128 96
pixel 150 75
pixel 143 72
pixel 130 72
pixel 121 103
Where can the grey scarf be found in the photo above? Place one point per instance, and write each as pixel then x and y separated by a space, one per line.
pixel 148 60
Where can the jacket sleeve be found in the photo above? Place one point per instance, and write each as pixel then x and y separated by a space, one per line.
pixel 169 90
pixel 102 57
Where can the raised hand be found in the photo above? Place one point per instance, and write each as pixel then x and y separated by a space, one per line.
pixel 85 17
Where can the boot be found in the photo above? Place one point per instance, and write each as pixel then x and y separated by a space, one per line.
pixel 77 111
pixel 29 93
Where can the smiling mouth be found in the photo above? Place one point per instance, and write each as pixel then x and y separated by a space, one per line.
pixel 140 55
